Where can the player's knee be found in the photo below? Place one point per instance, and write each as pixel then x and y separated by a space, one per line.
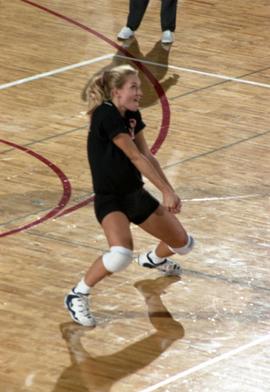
pixel 184 249
pixel 117 259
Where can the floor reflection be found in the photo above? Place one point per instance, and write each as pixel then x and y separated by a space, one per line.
pixel 88 373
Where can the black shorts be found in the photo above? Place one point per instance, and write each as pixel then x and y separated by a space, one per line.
pixel 137 206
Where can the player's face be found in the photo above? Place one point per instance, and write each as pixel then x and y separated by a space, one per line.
pixel 128 97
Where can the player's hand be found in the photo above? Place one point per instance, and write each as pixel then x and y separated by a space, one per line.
pixel 172 202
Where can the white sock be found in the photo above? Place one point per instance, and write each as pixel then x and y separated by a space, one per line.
pixel 156 260
pixel 82 287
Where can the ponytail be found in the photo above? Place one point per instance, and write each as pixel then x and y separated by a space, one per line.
pixel 93 93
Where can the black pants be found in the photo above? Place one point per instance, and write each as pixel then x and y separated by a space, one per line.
pixel 137 9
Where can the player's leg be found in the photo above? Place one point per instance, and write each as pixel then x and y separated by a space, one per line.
pixel 116 227
pixel 117 230
pixel 173 239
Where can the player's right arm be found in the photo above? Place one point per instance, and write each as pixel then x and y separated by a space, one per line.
pixel 147 169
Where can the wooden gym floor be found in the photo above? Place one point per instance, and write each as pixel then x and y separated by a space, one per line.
pixel 207 108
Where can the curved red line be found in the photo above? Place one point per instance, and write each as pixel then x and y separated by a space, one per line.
pixel 159 90
pixel 65 183
pixel 77 206
pixel 164 128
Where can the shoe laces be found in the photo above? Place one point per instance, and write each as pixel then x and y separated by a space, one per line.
pixel 83 305
pixel 171 265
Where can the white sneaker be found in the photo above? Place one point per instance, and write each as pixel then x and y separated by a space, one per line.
pixel 78 308
pixel 167 37
pixel 167 266
pixel 125 33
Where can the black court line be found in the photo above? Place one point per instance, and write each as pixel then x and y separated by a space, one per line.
pixel 46 138
pixel 220 83
pixel 216 150
pixel 193 158
pixel 187 271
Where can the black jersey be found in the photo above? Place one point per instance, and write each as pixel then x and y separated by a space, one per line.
pixel 112 171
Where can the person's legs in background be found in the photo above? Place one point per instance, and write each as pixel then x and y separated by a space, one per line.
pixel 137 9
pixel 168 20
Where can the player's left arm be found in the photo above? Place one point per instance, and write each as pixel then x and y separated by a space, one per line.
pixel 144 149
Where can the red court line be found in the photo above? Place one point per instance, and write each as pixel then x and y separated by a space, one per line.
pixel 76 206
pixel 164 128
pixel 159 90
pixel 65 184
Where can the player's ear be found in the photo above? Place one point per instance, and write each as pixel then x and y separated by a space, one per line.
pixel 115 92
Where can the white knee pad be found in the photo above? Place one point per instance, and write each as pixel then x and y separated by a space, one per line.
pixel 117 259
pixel 184 249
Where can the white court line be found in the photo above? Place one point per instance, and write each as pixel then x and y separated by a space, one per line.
pixel 97 59
pixel 213 75
pixel 223 198
pixel 55 71
pixel 205 364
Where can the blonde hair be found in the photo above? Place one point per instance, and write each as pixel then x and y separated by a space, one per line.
pixel 99 88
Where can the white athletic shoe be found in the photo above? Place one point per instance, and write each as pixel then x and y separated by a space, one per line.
pixel 78 307
pixel 167 266
pixel 125 33
pixel 167 37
